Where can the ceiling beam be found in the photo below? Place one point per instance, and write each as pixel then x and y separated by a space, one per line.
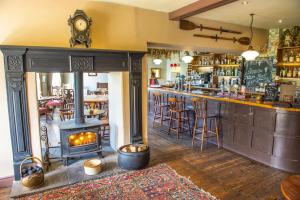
pixel 197 7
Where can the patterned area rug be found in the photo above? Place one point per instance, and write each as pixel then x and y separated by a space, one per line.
pixel 158 182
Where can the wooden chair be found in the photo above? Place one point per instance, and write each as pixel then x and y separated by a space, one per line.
pixel 104 127
pixel 45 110
pixel 66 114
pixel 200 113
pixel 178 115
pixel 160 108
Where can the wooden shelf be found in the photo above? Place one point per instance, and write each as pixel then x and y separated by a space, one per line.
pixel 228 65
pixel 283 78
pixel 288 64
pixel 202 66
pixel 294 47
pixel 228 76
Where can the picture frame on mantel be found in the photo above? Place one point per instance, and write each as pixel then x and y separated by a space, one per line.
pixel 92 74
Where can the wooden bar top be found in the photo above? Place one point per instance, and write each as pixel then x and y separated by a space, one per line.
pixel 227 99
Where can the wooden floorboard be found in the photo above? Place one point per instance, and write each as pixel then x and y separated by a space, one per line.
pixel 223 173
pixel 4 193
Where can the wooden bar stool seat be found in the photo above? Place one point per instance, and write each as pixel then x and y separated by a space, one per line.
pixel 179 117
pixel 200 113
pixel 161 109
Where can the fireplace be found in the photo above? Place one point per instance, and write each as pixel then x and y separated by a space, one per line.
pixel 80 139
pixel 18 60
pixel 79 136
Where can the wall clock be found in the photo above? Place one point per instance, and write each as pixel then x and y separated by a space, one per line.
pixel 80 25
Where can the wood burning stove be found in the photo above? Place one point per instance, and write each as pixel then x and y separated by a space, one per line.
pixel 79 136
pixel 79 139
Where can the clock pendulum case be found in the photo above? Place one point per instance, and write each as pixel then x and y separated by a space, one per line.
pixel 80 25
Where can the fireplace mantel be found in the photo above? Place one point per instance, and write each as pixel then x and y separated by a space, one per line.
pixel 21 59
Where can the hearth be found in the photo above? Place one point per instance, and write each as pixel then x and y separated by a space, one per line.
pixel 80 138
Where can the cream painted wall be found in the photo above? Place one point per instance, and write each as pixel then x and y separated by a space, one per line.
pixel 6 166
pixel 90 82
pixel 33 114
pixel 118 97
pixel 44 23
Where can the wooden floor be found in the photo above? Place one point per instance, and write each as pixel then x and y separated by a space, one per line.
pixel 224 174
pixel 4 193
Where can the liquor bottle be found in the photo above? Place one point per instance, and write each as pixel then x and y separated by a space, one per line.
pixel 291 57
pixel 289 73
pixel 283 72
pixel 294 72
pixel 298 58
pixel 298 72
pixel 285 58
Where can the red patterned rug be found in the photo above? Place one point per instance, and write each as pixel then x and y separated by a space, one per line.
pixel 158 182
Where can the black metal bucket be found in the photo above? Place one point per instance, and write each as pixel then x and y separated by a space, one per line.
pixel 133 160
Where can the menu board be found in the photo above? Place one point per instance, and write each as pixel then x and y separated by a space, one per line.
pixel 258 71
pixel 271 93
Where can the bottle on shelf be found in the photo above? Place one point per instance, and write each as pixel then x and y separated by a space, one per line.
pixel 295 73
pixel 283 72
pixel 298 57
pixel 285 58
pixel 291 57
pixel 289 73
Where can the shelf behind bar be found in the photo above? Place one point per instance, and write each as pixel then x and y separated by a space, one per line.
pixel 288 64
pixel 294 47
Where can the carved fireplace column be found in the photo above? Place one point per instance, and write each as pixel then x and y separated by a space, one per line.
pixel 135 79
pixel 17 106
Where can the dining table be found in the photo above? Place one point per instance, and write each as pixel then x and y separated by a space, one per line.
pixel 93 112
pixel 96 101
pixel 95 98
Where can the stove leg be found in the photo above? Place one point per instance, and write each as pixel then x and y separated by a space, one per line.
pixel 65 161
pixel 100 154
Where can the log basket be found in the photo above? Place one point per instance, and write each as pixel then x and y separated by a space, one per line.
pixel 36 178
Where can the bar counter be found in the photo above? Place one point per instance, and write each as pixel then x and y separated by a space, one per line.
pixel 259 131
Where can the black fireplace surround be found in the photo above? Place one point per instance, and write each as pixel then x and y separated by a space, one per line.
pixel 21 59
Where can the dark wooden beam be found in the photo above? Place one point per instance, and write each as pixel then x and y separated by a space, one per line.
pixel 197 7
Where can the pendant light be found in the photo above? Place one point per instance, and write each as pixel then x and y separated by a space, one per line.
pixel 157 61
pixel 250 54
pixel 187 58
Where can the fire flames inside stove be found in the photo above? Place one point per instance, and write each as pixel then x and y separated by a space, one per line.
pixel 81 139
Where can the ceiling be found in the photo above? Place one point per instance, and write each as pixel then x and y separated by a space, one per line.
pixel 267 12
pixel 158 5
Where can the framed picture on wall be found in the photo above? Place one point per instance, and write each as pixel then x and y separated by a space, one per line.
pixel 156 72
pixel 92 74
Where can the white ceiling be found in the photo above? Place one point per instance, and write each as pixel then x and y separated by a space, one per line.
pixel 267 12
pixel 158 5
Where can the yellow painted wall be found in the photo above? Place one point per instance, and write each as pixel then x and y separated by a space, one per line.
pixel 6 166
pixel 118 96
pixel 33 114
pixel 44 23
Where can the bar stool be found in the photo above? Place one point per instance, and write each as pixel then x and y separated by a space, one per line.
pixel 179 115
pixel 160 108
pixel 200 113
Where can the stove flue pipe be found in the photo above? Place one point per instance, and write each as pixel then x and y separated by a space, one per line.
pixel 78 97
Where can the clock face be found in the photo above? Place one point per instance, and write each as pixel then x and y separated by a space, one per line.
pixel 80 24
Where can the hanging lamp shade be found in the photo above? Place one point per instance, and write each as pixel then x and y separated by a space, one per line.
pixel 157 61
pixel 250 54
pixel 187 58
